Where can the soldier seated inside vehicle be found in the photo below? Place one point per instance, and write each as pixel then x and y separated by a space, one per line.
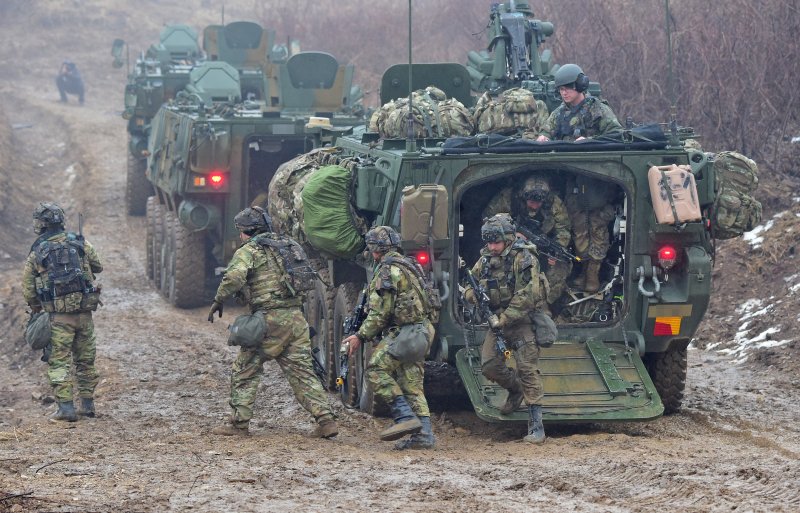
pixel 574 223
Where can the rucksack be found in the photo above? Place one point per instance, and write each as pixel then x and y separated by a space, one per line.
pixel 298 275
pixel 513 111
pixel 434 115
pixel 430 293
pixel 63 262
pixel 735 210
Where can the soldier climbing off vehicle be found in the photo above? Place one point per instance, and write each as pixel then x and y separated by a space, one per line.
pixel 399 319
pixel 258 272
pixel 509 274
pixel 58 279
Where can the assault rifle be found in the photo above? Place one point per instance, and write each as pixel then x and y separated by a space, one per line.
pixel 486 313
pixel 350 326
pixel 531 230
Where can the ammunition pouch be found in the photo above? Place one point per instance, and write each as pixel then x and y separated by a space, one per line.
pixel 90 301
pixel 248 331
pixel 408 343
pixel 38 331
pixel 545 329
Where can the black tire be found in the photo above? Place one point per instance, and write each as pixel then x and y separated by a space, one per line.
pixel 343 304
pixel 668 372
pixel 153 213
pixel 188 266
pixel 319 308
pixel 137 187
pixel 166 255
pixel 157 227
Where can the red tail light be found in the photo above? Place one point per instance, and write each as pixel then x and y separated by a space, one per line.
pixel 423 258
pixel 667 256
pixel 216 179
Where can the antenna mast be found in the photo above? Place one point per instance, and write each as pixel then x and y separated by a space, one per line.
pixel 673 110
pixel 411 140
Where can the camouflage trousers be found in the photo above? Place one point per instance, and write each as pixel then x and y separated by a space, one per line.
pixel 590 229
pixel 526 355
pixel 287 343
pixel 557 279
pixel 392 378
pixel 73 342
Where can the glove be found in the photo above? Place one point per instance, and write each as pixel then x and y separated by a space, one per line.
pixel 469 295
pixel 494 322
pixel 215 307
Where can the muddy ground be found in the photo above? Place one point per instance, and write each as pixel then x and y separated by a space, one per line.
pixel 734 447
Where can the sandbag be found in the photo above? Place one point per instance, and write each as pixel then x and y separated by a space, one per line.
pixel 515 111
pixel 328 218
pixel 434 115
pixel 735 210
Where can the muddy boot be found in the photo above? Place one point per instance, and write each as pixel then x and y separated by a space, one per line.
pixel 514 400
pixel 422 440
pixel 232 430
pixel 592 276
pixel 87 407
pixel 535 426
pixel 405 422
pixel 326 428
pixel 65 413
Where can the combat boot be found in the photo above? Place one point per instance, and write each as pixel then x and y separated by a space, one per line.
pixel 230 429
pixel 326 428
pixel 87 407
pixel 66 412
pixel 422 440
pixel 535 426
pixel 514 400
pixel 405 422
pixel 592 276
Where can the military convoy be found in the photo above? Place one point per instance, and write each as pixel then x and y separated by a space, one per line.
pixel 621 352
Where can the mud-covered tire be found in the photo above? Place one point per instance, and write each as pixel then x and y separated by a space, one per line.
pixel 153 213
pixel 166 255
pixel 188 263
pixel 137 187
pixel 319 308
pixel 343 304
pixel 668 372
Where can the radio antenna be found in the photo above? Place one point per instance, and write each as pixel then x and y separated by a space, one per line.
pixel 673 110
pixel 411 140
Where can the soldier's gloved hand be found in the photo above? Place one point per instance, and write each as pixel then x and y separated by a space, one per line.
pixel 215 308
pixel 469 295
pixel 494 322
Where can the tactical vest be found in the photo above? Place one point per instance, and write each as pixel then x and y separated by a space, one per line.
pixel 566 129
pixel 297 273
pixel 62 286
pixel 412 304
pixel 430 294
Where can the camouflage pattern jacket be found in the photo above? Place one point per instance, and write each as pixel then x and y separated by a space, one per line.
pixel 552 216
pixel 591 118
pixel 395 298
pixel 256 273
pixel 513 282
pixel 34 276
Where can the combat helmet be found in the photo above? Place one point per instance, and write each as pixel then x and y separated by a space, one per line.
pixel 499 228
pixel 382 239
pixel 253 220
pixel 571 75
pixel 535 188
pixel 48 216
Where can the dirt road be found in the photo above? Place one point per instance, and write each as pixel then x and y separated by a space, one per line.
pixel 735 446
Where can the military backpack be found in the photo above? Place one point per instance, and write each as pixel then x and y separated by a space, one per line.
pixel 735 210
pixel 298 275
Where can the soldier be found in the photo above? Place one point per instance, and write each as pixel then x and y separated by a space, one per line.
pixel 581 115
pixel 255 272
pixel 538 209
pixel 397 298
pixel 58 279
pixel 510 275
pixel 69 81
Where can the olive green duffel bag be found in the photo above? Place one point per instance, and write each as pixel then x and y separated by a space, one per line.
pixel 38 331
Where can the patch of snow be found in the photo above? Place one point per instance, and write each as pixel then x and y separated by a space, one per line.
pixel 70 172
pixel 749 305
pixel 744 346
pixel 754 236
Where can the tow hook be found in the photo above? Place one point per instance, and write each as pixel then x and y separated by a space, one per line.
pixel 640 273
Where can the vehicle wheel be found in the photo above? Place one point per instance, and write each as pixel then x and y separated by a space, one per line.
pixel 166 255
pixel 137 187
pixel 152 226
pixel 343 304
pixel 319 306
pixel 188 266
pixel 668 372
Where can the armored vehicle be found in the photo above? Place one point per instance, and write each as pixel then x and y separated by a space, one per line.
pixel 214 148
pixel 158 74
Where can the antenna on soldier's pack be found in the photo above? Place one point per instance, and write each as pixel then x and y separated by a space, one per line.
pixel 411 140
pixel 673 110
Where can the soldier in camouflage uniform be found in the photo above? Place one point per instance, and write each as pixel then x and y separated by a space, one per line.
pixel 581 115
pixel 509 273
pixel 537 208
pixel 69 304
pixel 396 298
pixel 255 272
